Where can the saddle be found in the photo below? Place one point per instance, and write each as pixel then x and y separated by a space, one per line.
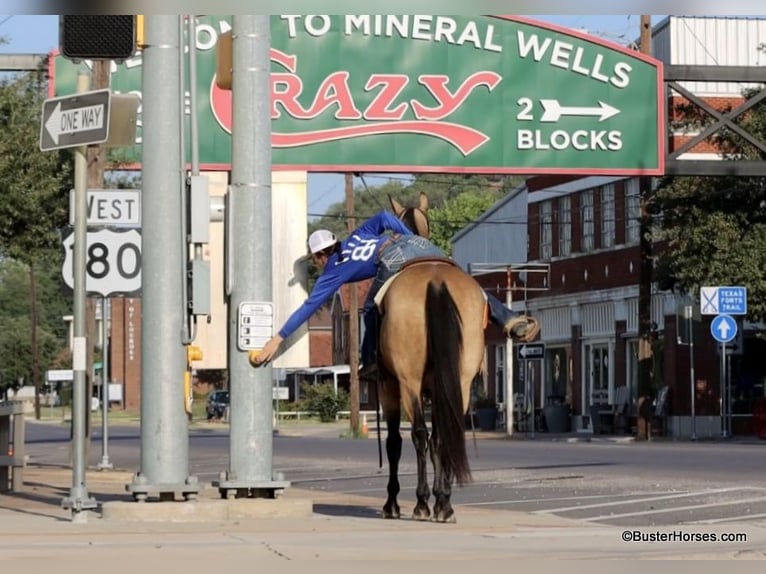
pixel 411 263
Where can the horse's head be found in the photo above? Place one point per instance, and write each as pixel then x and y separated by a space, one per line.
pixel 416 218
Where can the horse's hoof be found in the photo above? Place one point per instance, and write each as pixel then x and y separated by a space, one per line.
pixel 445 517
pixel 421 513
pixel 391 512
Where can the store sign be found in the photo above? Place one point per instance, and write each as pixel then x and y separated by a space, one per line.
pixel 480 94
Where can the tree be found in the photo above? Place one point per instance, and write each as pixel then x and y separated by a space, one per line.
pixel 715 227
pixel 34 187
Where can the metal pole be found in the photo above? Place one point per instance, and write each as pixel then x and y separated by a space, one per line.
pixel 510 402
pixel 78 499
pixel 251 429
pixel 722 390
pixel 164 429
pixel 728 393
pixel 692 390
pixel 105 464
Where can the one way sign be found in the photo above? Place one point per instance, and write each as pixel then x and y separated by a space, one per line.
pixel 77 120
pixel 530 351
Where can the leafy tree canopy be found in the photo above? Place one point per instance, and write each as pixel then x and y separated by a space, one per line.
pixel 715 227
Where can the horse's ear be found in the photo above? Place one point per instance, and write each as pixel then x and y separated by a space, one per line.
pixel 396 206
pixel 423 204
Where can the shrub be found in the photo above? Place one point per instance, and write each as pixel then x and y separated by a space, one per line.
pixel 322 400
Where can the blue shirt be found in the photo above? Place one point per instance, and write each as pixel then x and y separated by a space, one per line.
pixel 357 261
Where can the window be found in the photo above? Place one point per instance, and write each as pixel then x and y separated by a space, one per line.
pixel 607 216
pixel 565 225
pixel 632 211
pixel 586 219
pixel 546 230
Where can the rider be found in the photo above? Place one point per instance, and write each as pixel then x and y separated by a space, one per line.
pixel 369 251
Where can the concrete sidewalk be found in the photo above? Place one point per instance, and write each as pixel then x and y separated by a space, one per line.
pixel 36 532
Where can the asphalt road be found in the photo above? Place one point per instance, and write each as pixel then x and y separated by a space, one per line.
pixel 627 484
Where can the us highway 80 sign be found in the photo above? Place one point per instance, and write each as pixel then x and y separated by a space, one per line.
pixel 112 263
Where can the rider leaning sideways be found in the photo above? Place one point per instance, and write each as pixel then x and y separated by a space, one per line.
pixel 371 251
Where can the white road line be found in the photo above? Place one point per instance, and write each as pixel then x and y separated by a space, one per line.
pixel 727 519
pixel 623 502
pixel 535 500
pixel 676 509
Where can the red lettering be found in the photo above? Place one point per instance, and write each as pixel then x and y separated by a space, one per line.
pixel 380 108
pixel 285 89
pixel 334 90
pixel 448 101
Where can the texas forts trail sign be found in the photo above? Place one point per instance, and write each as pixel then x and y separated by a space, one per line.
pixel 482 94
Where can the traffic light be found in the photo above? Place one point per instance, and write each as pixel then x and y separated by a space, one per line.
pixel 223 56
pixel 97 37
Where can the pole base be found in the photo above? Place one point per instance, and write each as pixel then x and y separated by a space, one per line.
pixel 105 464
pixel 79 502
pixel 142 490
pixel 230 488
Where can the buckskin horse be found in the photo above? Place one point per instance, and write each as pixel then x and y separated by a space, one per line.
pixel 431 346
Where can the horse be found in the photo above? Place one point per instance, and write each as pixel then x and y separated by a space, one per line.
pixel 414 217
pixel 431 346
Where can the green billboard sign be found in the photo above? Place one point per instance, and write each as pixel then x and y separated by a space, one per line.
pixel 474 94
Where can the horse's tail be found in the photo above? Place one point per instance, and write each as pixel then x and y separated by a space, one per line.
pixel 445 342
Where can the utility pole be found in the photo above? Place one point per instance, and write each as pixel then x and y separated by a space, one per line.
pixel 645 358
pixel 164 428
pixel 353 321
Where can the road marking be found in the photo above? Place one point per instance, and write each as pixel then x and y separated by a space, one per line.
pixel 534 500
pixel 727 519
pixel 621 502
pixel 676 509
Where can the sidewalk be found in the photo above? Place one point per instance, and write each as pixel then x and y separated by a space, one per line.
pixel 35 532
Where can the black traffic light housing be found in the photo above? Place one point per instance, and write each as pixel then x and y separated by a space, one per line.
pixel 97 37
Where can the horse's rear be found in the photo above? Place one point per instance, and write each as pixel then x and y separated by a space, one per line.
pixel 431 344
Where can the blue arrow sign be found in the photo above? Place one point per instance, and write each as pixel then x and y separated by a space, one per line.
pixel 723 328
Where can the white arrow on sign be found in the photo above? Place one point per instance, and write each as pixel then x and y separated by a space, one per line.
pixel 531 350
pixel 723 329
pixel 74 121
pixel 553 110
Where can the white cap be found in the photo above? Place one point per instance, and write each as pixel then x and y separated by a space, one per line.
pixel 321 239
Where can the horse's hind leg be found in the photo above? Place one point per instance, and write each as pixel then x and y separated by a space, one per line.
pixel 394 453
pixel 420 440
pixel 443 511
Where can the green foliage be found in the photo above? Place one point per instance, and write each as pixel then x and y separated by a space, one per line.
pixel 34 185
pixel 322 400
pixel 715 227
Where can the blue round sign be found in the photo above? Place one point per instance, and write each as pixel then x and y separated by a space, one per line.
pixel 723 328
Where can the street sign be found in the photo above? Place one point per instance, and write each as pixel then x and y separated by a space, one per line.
pixel 464 93
pixel 723 300
pixel 111 207
pixel 256 323
pixel 723 328
pixel 112 262
pixel 535 351
pixel 77 120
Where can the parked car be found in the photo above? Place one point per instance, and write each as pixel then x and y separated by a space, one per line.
pixel 217 403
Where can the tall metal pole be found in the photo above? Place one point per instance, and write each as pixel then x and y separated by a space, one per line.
pixel 251 426
pixel 510 403
pixel 105 464
pixel 722 386
pixel 78 499
pixel 164 430
pixel 693 390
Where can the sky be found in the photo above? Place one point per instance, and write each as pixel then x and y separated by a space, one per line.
pixel 39 34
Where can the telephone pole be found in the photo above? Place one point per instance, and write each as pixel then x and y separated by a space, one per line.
pixel 353 321
pixel 645 358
